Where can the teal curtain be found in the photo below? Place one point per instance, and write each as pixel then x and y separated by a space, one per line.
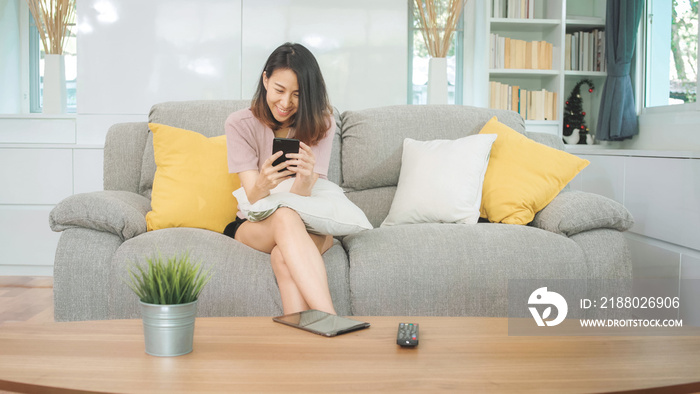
pixel 617 118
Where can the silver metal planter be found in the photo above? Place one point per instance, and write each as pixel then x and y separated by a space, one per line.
pixel 168 329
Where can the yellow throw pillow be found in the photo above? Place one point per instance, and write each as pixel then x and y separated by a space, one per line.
pixel 523 176
pixel 192 186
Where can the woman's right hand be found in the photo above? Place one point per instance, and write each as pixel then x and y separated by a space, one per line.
pixel 270 176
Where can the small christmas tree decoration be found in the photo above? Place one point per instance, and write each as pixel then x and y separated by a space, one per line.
pixel 574 116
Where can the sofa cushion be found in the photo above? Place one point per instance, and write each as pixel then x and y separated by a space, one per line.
pixel 375 203
pixel 575 212
pixel 125 144
pixel 523 176
pixel 373 138
pixel 192 186
pixel 440 181
pixel 335 175
pixel 432 269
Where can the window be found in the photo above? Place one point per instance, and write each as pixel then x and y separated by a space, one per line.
pixel 36 68
pixel 671 37
pixel 418 62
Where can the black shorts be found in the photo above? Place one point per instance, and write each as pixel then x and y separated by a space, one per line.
pixel 232 227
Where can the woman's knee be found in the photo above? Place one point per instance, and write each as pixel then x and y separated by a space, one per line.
pixel 286 217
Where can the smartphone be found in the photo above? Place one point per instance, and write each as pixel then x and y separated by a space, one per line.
pixel 286 145
pixel 321 323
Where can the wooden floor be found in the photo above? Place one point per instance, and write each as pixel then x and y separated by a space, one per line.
pixel 26 299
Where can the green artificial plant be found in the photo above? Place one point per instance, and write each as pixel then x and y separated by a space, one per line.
pixel 176 280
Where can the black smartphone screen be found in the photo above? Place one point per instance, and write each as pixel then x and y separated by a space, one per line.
pixel 286 145
pixel 321 323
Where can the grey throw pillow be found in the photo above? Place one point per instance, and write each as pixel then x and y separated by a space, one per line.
pixel 574 212
pixel 118 212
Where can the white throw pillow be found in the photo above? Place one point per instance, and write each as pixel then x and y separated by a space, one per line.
pixel 326 211
pixel 441 181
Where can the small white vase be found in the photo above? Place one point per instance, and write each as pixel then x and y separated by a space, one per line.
pixel 54 95
pixel 437 80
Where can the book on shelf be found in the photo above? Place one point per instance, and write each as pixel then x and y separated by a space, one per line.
pixel 506 52
pixel 528 58
pixel 585 51
pixel 530 104
pixel 601 51
pixel 574 51
pixel 593 51
pixel 535 56
pixel 567 52
pixel 516 9
pixel 510 53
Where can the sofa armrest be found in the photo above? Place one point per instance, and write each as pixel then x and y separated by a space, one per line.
pixel 575 212
pixel 118 212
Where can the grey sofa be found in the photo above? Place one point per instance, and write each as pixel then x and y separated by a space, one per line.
pixel 420 269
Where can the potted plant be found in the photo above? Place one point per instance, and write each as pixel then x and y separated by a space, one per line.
pixel 168 290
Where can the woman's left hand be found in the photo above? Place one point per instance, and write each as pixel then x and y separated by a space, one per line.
pixel 302 164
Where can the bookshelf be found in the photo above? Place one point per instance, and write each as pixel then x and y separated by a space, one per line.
pixel 549 21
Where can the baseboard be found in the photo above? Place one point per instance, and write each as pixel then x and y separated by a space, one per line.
pixel 26 270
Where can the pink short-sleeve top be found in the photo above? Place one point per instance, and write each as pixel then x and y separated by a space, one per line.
pixel 249 143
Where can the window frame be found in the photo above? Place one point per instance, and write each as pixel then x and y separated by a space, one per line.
pixel 459 57
pixel 34 59
pixel 643 64
pixel 34 69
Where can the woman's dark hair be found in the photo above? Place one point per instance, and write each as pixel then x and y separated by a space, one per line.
pixel 311 119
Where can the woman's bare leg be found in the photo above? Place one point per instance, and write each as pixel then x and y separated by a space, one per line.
pixel 298 251
pixel 292 300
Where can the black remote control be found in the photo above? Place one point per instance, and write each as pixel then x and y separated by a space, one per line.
pixel 407 335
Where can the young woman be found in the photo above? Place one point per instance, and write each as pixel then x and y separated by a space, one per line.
pixel 291 102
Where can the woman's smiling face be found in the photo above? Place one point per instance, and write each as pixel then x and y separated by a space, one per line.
pixel 282 94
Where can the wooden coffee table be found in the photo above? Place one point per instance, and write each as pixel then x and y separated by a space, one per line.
pixel 255 354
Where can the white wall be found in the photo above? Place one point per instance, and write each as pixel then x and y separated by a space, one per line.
pixel 134 53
